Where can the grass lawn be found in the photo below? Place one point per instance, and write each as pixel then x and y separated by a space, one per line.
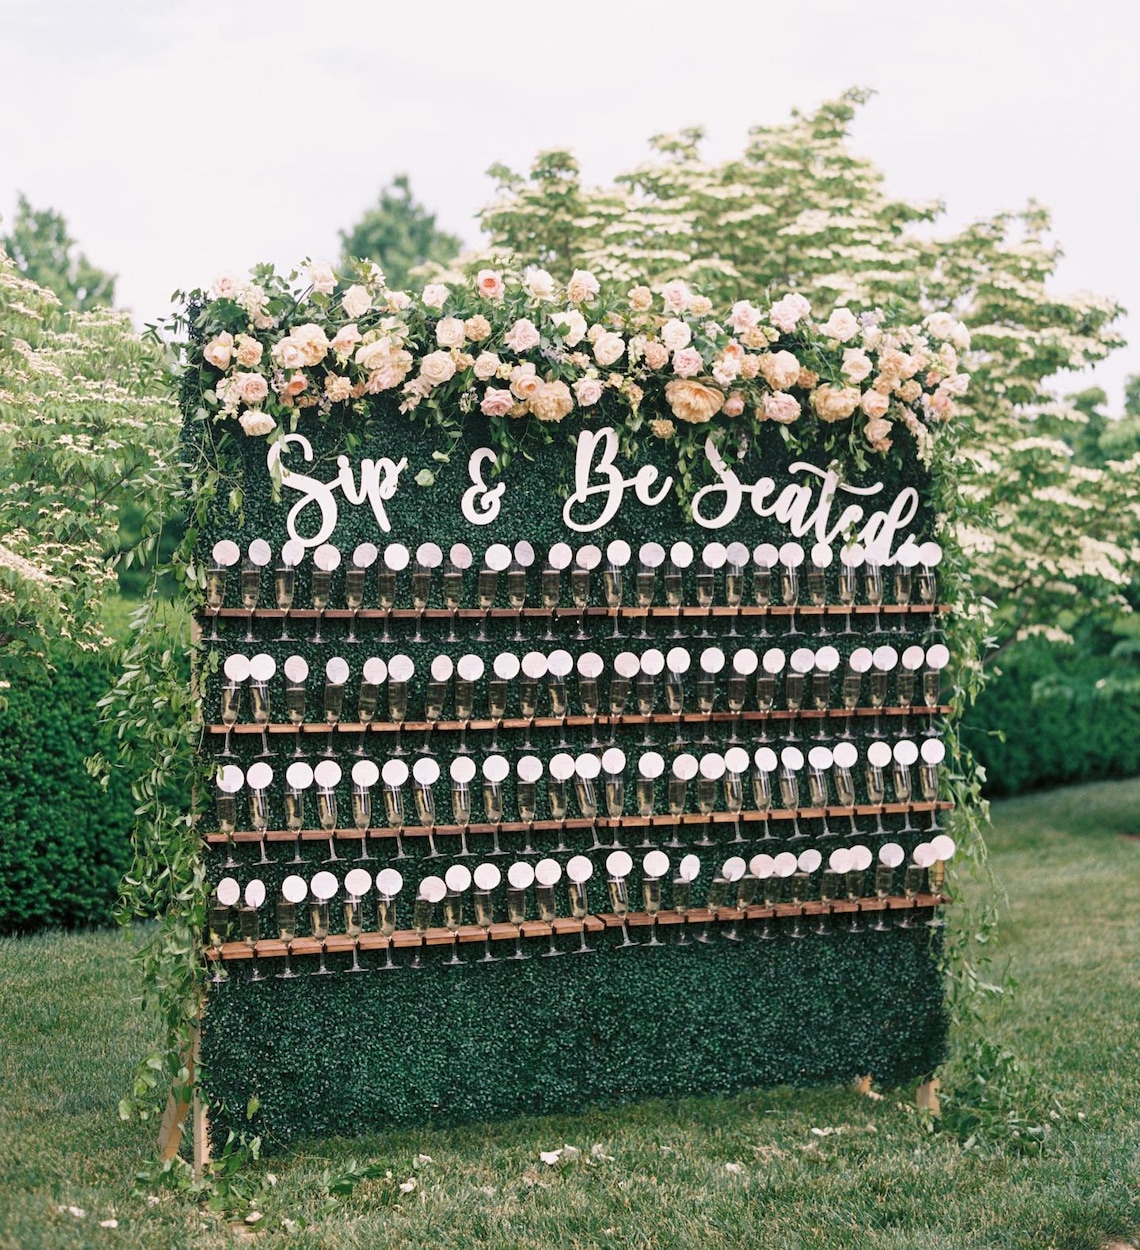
pixel 705 1172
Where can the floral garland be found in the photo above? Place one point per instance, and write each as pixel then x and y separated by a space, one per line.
pixel 513 345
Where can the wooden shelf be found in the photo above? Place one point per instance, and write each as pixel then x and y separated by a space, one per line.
pixel 510 614
pixel 578 823
pixel 402 939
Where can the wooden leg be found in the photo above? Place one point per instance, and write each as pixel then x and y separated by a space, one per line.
pixel 174 1118
pixel 927 1096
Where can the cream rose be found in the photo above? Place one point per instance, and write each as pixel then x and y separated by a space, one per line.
pixel 874 404
pixel 676 297
pixel 538 283
pixel 524 381
pixel 288 355
pixel 581 287
pixel 312 341
pixel 486 366
pixel 692 401
pixel 662 427
pixel 572 324
pixel 833 403
pixel 346 339
pixel 780 370
pixel 608 347
pixel 450 332
pixel 337 387
pixel 856 364
pixel 522 336
pixel 749 366
pixel 552 401
pixel 248 351
pixel 587 391
pixel 687 362
pixel 656 354
pixel 373 355
pixel 743 316
pixel 224 286
pixel 219 351
pixel 701 306
pixel 477 328
pixel 496 403
pixel 251 387
pixel 841 325
pixel 786 313
pixel 781 407
pixel 398 301
pixel 641 299
pixel 435 295
pixel 437 367
pixel 356 302
pixel 676 334
pixel 489 283
pixel 256 423
pixel 876 432
pixel 322 278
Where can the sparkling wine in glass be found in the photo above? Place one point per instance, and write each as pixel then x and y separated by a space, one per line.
pixel 681 897
pixel 618 555
pixel 298 778
pixel 910 662
pixel 389 883
pixel 626 668
pixel 891 855
pixel 764 561
pixel 425 773
pixel 528 772
pixel 429 556
pixel 236 672
pixel 859 663
pixel 820 562
pixel 713 559
pixel 462 772
pixel 496 561
pixel 258 779
pixel 800 664
pixel 654 869
pixel 764 767
pixel 336 674
pixel 487 878
pixel 327 775
pixel 578 873
pixel 228 780
pixel 710 770
pixel 791 761
pixel 322 888
pixel 649 768
pixel 878 758
pixel 504 672
pixel 326 560
pixel 285 583
pixel 844 758
pixel 457 879
pixel 685 768
pixel 677 664
pixel 652 665
pixel 933 753
pixel 905 756
pixel 262 669
pixel 435 697
pixel 226 896
pixel 929 557
pixel 619 864
pixel 736 556
pixel 547 874
pixel 395 775
pixel 590 666
pixel 357 884
pixel 650 557
pixel 432 891
pixel 558 559
pixel 851 558
pixel 709 668
pixel 459 560
pixel 735 770
pixel 820 760
pixel 520 877
pixel 680 559
pixel 496 770
pixel 468 673
pixel 258 556
pixel 294 891
pixel 905 560
pixel 365 775
pixel 826 662
pixel 517 574
pixel 744 665
pixel 533 671
pixel 937 657
pixel 224 556
pixel 363 558
pixel 587 770
pixel 873 586
pixel 771 667
pixel 401 670
pixel 373 675
pixel 791 560
pixel 561 773
pixel 296 674
pixel 884 661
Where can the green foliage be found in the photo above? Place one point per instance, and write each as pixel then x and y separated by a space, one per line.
pixel 399 234
pixel 41 246
pixel 65 842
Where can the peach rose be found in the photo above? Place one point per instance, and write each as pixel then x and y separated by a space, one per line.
pixel 656 354
pixel 780 370
pixel 687 362
pixel 841 325
pixel 876 431
pixel 641 299
pixel 780 407
pixel 224 286
pixel 909 392
pixel 295 385
pixel 749 366
pixel 477 328
pixel 608 347
pixel 581 287
pixel 489 284
pixel 312 341
pixel 522 336
pixel 288 354
pixel 662 427
pixel 587 391
pixel 251 387
pixel 552 401
pixel 692 401
pixel 219 351
pixel 337 387
pixel 676 334
pixel 856 364
pixel 435 295
pixel 734 405
pixel 450 332
pixel 832 403
pixel 496 403
pixel 486 366
pixel 874 404
pixel 786 313
pixel 437 368
pixel 248 351
pixel 346 339
pixel 255 424
pixel 524 381
pixel 807 379
pixel 538 283
pixel 322 278
pixel 356 302
pixel 701 305
pixel 676 297
pixel 389 375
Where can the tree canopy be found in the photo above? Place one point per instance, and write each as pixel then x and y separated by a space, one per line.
pixel 42 249
pixel 399 234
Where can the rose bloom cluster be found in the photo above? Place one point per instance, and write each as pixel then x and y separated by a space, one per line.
pixel 513 345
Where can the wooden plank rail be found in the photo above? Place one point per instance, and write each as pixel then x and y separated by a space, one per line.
pixel 632 613
pixel 402 939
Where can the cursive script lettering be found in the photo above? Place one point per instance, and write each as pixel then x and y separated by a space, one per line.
pixel 480 504
pixel 613 487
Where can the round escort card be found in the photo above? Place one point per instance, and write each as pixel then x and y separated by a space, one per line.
pixel 938 656
pixel 580 869
pixel 861 858
pixel 299 776
pixel 262 667
pixel 891 854
pixel 520 875
pixel 560 556
pixel 260 552
pixel 930 554
pixel 524 554
pixel 506 666
pixel 885 658
pixel 590 665
pixel 327 774
pixel 765 759
pixel 791 555
pixel 296 669
pixel 681 554
pixel 457 878
pixel 651 765
pixel 678 660
pixel 762 866
pixel 906 752
pixel 259 776
pixel 432 889
pixel 375 671
pixel 652 662
pixel 364 557
pixel 487 877
pixel 587 766
pixel 236 668
pixel 809 861
pixel 534 665
pixel 626 665
pixel 389 882
pixel 228 892
pixel 292 553
pixel 460 555
pixel 613 761
pixel 652 555
pixel 655 864
pixel 294 889
pixel 394 774
pixel 785 864
pixel 496 769
pixel 827 659
pixel 229 778
pixel 714 555
pixel 845 754
pixel 943 846
pixel 861 659
pixel 562 766
pixel 879 754
pixel 324 886
pixel 685 766
pixel 425 772
pixel 912 658
pixel 767 556
pixel 840 860
pixel 497 557
pixel 470 668
pixel 924 855
pixel 933 751
pixel 396 557
pixel 588 557
pixel 733 869
pixel 548 872
pixel 712 766
pixel 560 663
pixel 619 863
pixel 736 760
pixel 401 668
pixel 820 758
pixel 773 661
pixel 226 553
pixel 803 660
pixel 337 670
pixel 712 660
pixel 618 552
pixel 529 769
pixel 853 556
pixel 736 554
pixel 442 667
pixel 357 882
pixel 429 555
pixel 365 774
pixel 326 558
pixel 908 555
pixel 745 662
pixel 821 555
pixel 689 868
pixel 793 758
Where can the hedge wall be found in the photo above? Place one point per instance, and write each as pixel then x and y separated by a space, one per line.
pixel 64 842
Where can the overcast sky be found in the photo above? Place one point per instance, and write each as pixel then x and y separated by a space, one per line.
pixel 181 140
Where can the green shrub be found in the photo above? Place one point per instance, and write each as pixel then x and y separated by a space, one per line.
pixel 1067 715
pixel 64 842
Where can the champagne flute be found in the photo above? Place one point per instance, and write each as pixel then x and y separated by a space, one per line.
pixel 578 872
pixel 943 849
pixel 559 666
pixel 432 890
pixel 735 871
pixel 682 896
pixel 517 575
pixel 764 560
pixel 504 670
pixel 652 665
pixel 710 666
pixel 654 868
pixel 710 770
pixel 878 757
pixel 520 877
pixel 236 671
pixel 294 891
pixel 394 775
pixel 801 663
pixel 228 780
pixel 791 558
pixel 323 888
pixel 487 878
pixel 714 899
pixel 856 883
pixel 258 779
pixel 226 895
pixel 561 770
pixel 884 660
pixel 435 698
pixel 858 662
pixel 830 888
pixel 429 556
pixel 327 775
pixel 527 773
pixel 457 879
pixel 891 855
pixel 911 661
pixel 298 778
pixel 843 760
pixel 336 674
pixel 296 674
pixel 914 878
pixel 684 769
pixel 261 671
pixel 533 671
pixel 626 668
pixel 258 556
pixel 937 657
pixel 736 767
pixel 933 753
pixel 372 677
pixel 496 770
pixel 401 670
pixel 744 664
pixel 285 582
pixel 459 560
pixel 765 765
pixel 763 868
pixel 680 558
pixel 873 585
pixel 496 560
pixel 784 866
pixel 905 560
pixel 807 864
pixel 791 761
pixel 224 556
pixel 820 562
pixel 713 558
pixel 326 560
pixel 590 666
pixel 929 557
pixel 618 555
pixel 425 773
pixel 363 558
pixel 677 662
pixel 462 772
pixel 771 667
pixel 613 769
pixel 468 673
pixel 547 874
pixel 587 769
pixel 905 754
pixel 826 662
pixel 558 559
pixel 649 767
pixel 736 558
pixel 395 561
pixel 365 775
pixel 586 559
pixel 851 558
pixel 389 883
pixel 619 864
pixel 650 557
pixel 820 760
pixel 357 883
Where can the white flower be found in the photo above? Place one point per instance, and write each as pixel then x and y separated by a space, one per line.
pixel 408 1186
pixel 322 278
pixel 856 364
pixel 538 283
pixel 255 423
pixel 449 332
pixel 486 366
pixel 356 302
pixel 224 286
pixel 573 326
pixel 437 367
pixel 945 328
pixel 550 1157
pixel 743 316
pixel 676 334
pixel 841 325
pixel 676 297
pixel 435 295
pixel 581 287
pixel 522 336
pixel 608 347
pixel 787 312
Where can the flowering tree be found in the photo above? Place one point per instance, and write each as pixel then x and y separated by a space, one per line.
pixel 84 425
pixel 796 211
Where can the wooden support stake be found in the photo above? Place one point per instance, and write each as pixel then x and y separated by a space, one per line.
pixel 927 1096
